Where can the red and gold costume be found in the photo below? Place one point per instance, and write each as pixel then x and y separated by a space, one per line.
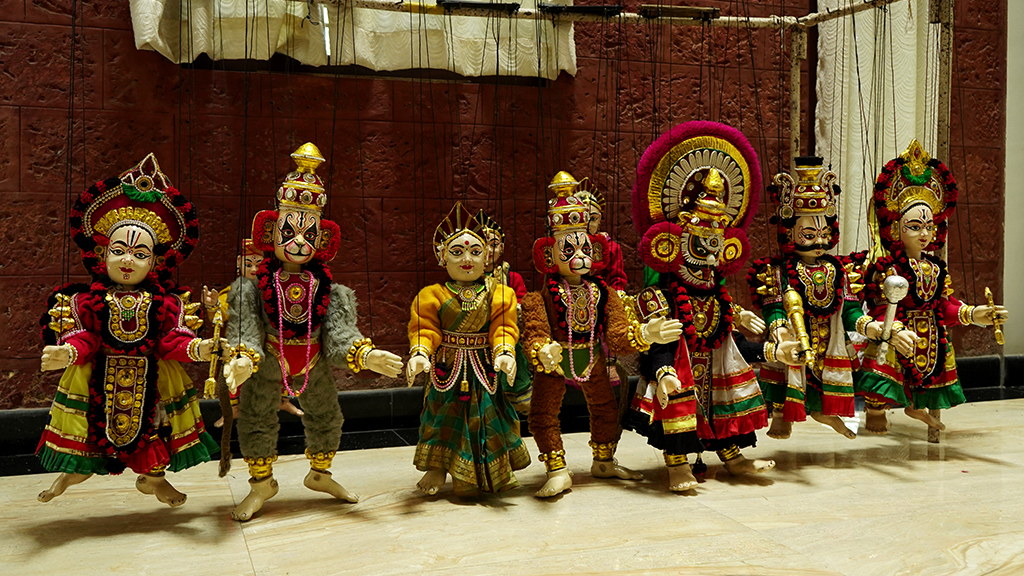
pixel 125 401
pixel 928 379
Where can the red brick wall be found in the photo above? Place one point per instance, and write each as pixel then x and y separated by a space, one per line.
pixel 399 151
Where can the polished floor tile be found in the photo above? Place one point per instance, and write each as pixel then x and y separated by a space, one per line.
pixel 876 505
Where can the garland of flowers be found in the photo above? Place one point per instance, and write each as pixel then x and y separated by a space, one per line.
pixel 561 309
pixel 318 303
pixel 790 265
pixel 684 313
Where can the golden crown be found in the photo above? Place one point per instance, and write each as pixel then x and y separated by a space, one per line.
pixel 811 193
pixel 302 189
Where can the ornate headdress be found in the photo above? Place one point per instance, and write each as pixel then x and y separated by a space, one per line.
pixel 459 221
pixel 702 179
pixel 588 193
pixel 814 192
pixel 302 189
pixel 489 224
pixel 250 249
pixel 141 196
pixel 913 178
pixel 566 213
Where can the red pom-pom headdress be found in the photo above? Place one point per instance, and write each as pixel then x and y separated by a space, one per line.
pixel 142 196
pixel 913 178
pixel 698 180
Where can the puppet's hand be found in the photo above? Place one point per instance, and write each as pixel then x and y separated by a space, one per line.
pixel 237 372
pixel 56 357
pixel 384 362
pixel 904 341
pixel 663 330
pixel 206 347
pixel 985 314
pixel 781 334
pixel 417 363
pixel 211 298
pixel 788 352
pixel 752 322
pixel 668 384
pixel 550 356
pixel 506 363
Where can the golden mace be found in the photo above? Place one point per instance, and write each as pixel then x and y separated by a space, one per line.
pixel 997 322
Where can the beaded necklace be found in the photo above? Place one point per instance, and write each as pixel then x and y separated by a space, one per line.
pixel 592 306
pixel 280 332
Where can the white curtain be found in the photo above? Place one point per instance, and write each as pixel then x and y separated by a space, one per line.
pixel 877 89
pixel 332 34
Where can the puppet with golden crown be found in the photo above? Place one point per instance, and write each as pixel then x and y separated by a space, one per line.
pixel 696 192
pixel 463 333
pixel 124 400
pixel 288 328
pixel 806 281
pixel 614 270
pixel 566 326
pixel 914 197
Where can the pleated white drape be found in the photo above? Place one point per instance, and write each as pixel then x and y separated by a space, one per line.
pixel 877 89
pixel 376 39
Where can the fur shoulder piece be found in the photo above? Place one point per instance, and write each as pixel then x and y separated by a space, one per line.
pixel 247 321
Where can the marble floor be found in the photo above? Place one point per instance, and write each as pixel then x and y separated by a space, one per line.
pixel 885 505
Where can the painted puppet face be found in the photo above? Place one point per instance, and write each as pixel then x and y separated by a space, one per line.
pixel 595 220
pixel 129 255
pixel 703 251
pixel 574 253
pixel 464 258
pixel 296 236
pixel 495 249
pixel 811 235
pixel 917 228
pixel 248 265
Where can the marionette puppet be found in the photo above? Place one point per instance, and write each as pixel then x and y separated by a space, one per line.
pixel 805 295
pixel 914 197
pixel 519 393
pixel 289 327
pixel 695 194
pixel 246 265
pixel 567 325
pixel 493 266
pixel 463 333
pixel 124 400
pixel 613 271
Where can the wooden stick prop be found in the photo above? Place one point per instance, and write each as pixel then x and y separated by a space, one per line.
pixel 895 289
pixel 997 322
pixel 211 382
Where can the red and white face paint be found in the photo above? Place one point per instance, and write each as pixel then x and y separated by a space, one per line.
pixel 129 255
pixel 296 236
pixel 574 253
pixel 811 236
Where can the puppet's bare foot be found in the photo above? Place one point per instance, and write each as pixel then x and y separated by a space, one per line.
pixel 558 481
pixel 322 482
pixel 259 492
pixel 681 478
pixel 780 429
pixel 290 408
pixel 924 416
pixel 875 421
pixel 158 486
pixel 432 481
pixel 834 422
pixel 61 484
pixel 740 465
pixel 612 469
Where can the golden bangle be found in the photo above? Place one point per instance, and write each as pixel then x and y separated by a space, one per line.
pixel 72 354
pixel 252 355
pixel 260 468
pixel 504 348
pixel 320 461
pixel 770 352
pixel 193 350
pixel 862 324
pixel 534 350
pixel 553 460
pixel 674 459
pixel 729 453
pixel 665 371
pixel 420 349
pixel 636 338
pixel 604 451
pixel 776 324
pixel 357 352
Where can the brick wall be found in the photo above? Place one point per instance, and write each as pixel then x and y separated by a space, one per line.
pixel 400 151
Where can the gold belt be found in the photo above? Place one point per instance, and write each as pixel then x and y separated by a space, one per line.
pixel 464 340
pixel 294 341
